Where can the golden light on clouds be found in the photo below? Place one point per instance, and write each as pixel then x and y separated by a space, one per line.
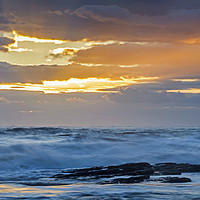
pixel 187 91
pixel 87 44
pixel 66 51
pixel 61 50
pixel 27 50
pixel 93 85
pixel 192 41
pixel 100 43
pixel 58 52
pixel 22 38
pixel 20 50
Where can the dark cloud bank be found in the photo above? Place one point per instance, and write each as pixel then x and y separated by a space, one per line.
pixel 133 20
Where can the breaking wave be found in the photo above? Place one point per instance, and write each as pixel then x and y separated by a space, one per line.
pixel 50 148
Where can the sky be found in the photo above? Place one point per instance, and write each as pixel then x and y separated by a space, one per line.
pixel 99 63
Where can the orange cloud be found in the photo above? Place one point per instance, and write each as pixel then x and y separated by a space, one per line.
pixel 144 54
pixel 70 51
pixel 72 85
pixel 195 40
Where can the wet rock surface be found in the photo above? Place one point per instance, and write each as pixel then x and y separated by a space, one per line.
pixel 173 179
pixel 176 180
pixel 132 169
pixel 131 173
pixel 170 168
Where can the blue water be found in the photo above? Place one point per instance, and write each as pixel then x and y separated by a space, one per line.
pixel 30 156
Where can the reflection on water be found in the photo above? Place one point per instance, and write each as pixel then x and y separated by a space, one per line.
pixel 23 191
pixel 140 191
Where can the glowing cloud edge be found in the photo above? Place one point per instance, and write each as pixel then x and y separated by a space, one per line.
pixel 73 85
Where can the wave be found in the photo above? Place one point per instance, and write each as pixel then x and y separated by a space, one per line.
pixel 56 148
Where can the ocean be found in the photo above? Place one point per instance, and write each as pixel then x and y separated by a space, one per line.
pixel 31 156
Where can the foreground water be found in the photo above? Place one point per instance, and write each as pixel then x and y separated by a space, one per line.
pixel 30 156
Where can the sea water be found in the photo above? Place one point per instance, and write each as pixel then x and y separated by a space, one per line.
pixel 29 157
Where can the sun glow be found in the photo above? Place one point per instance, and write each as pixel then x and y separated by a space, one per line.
pixel 94 85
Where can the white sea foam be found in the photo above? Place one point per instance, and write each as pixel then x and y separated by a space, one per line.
pixel 40 148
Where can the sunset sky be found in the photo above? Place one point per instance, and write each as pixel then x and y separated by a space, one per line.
pixel 100 62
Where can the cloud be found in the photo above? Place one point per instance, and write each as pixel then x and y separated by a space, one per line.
pixel 118 14
pixel 62 52
pixel 142 54
pixel 147 97
pixel 3 100
pixel 29 111
pixel 36 74
pixel 74 85
pixel 143 7
pixel 161 21
pixel 4 42
pixel 103 13
pixel 76 100
pixel 59 53
pixel 54 12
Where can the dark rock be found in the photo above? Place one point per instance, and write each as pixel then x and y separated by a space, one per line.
pixel 135 173
pixel 174 168
pixel 189 168
pixel 132 169
pixel 171 172
pixel 167 172
pixel 175 180
pixel 172 180
pixel 166 169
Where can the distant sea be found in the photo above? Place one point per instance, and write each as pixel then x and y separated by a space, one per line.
pixel 29 157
